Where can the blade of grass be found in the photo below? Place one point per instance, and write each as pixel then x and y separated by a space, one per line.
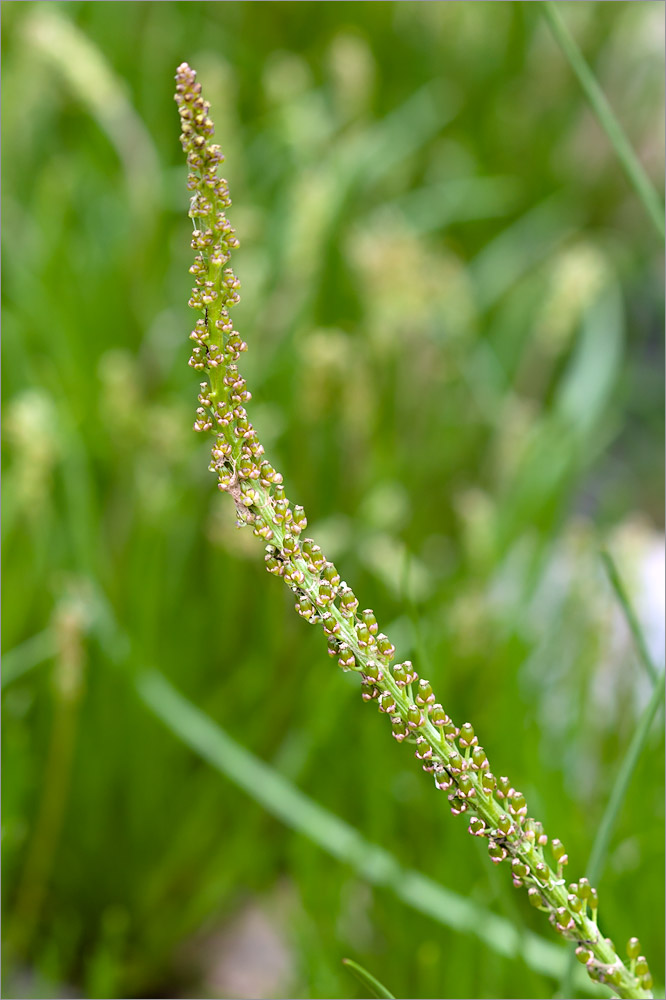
pixel 337 838
pixel 606 117
pixel 629 614
pixel 368 980
pixel 617 796
pixel 21 659
pixel 599 853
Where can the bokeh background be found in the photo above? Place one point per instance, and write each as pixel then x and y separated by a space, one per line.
pixel 453 301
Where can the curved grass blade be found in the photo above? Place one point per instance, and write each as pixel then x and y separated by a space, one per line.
pixel 376 988
pixel 618 793
pixel 606 118
pixel 283 800
pixel 629 614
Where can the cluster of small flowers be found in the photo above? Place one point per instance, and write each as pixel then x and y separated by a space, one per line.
pixel 612 974
pixel 452 755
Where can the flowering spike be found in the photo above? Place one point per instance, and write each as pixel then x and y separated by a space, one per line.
pixel 500 812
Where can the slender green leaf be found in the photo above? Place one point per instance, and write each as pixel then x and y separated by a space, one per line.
pixel 368 980
pixel 336 837
pixel 606 117
pixel 630 615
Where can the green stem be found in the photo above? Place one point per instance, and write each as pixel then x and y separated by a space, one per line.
pixel 630 615
pixel 376 988
pixel 606 117
pixel 602 840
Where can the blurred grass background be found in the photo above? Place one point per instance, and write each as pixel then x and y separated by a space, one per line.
pixel 454 303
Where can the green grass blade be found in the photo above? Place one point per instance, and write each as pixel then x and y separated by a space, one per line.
pixel 600 848
pixel 606 117
pixel 630 615
pixel 21 659
pixel 368 980
pixel 276 794
pixel 602 841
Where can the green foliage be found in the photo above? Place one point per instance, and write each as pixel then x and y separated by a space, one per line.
pixel 453 305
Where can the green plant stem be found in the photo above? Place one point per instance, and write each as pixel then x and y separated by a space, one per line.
pixel 630 615
pixel 21 659
pixel 48 824
pixel 376 988
pixel 606 117
pixel 618 794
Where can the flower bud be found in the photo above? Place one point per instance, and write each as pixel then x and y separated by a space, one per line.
pixel 399 730
pixel 348 603
pixel 633 947
pixel 385 647
pixel 414 717
pixel 369 620
pixel 641 968
pixel 443 779
pixel 479 759
pixel 504 824
pixel 488 782
pixel 559 852
pixel 373 671
pixel 467 737
pixel 400 675
pixel 465 786
pixel 477 826
pixel 424 694
pixel 496 851
pixel 503 786
pixel 387 703
pixel 306 608
pixel 347 660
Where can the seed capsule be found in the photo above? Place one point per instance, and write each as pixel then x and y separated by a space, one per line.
pixel 414 717
pixel 503 786
pixel 400 675
pixel 443 780
pixel 369 692
pixel 535 897
pixel 496 851
pixel 369 620
pixel 633 947
pixel 387 703
pixel 399 730
pixel 559 852
pixel 476 826
pixel 479 759
pixel 347 660
pixel 467 737
pixel 465 786
pixel 488 782
pixel 373 671
pixel 305 608
pixel 519 869
pixel 504 824
pixel 425 694
pixel 348 603
pixel 385 647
